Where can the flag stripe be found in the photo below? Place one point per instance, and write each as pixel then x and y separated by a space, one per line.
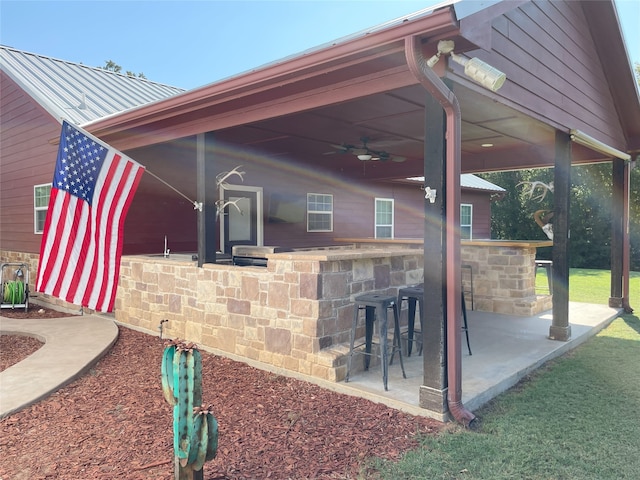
pixel 105 217
pixel 92 190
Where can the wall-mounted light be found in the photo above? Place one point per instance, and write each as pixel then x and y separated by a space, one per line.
pixel 476 69
pixel 430 194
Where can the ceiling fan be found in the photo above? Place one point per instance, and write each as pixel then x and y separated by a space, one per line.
pixel 364 153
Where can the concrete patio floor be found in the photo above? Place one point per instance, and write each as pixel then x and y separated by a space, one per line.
pixel 504 350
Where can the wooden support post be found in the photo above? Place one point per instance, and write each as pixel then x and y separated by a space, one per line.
pixel 433 392
pixel 560 328
pixel 207 194
pixel 617 233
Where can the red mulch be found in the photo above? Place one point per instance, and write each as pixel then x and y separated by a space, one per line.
pixel 113 423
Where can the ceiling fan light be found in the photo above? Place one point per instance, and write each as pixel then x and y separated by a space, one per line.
pixel 364 157
pixel 398 159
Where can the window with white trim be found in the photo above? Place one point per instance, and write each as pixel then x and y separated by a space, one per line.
pixel 384 218
pixel 41 195
pixel 319 212
pixel 466 221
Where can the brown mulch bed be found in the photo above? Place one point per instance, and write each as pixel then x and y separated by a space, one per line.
pixel 114 423
pixel 15 348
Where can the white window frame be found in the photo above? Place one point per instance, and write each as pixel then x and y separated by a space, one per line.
pixel 315 212
pixel 40 209
pixel 470 224
pixel 385 225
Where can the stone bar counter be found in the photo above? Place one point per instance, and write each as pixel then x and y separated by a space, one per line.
pixel 504 272
pixel 504 276
pixel 294 314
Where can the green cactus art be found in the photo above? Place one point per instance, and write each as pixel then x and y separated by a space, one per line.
pixel 195 429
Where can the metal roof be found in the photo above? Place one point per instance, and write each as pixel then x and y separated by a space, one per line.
pixel 469 180
pixel 75 92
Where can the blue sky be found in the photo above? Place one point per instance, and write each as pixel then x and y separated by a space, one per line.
pixel 192 43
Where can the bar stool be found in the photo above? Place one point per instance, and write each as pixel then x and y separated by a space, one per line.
pixel 376 307
pixel 416 294
pixel 412 295
pixel 467 283
pixel 546 264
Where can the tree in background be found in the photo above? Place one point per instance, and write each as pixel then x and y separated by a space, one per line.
pixel 114 67
pixel 590 219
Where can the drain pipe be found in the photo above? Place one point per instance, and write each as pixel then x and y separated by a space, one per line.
pixel 435 86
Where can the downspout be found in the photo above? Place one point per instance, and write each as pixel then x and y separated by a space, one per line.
pixel 431 82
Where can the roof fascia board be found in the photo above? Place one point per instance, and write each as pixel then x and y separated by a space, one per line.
pixel 438 22
pixel 124 137
pixel 605 27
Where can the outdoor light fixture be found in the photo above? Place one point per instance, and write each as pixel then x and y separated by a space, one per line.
pixel 430 194
pixel 364 157
pixel 479 71
pixel 585 140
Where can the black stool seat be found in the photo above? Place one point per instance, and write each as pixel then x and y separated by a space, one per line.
pixel 376 307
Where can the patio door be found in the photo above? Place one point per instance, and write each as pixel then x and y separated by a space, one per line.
pixel 242 224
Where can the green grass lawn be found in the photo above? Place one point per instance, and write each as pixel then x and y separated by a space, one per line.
pixel 575 418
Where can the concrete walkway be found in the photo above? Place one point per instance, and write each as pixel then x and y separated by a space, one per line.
pixel 72 346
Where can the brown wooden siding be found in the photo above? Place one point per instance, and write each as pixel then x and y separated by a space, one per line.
pixel 553 68
pixel 28 159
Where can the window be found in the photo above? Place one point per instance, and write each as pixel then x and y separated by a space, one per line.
pixel 40 204
pixel 384 218
pixel 319 212
pixel 466 220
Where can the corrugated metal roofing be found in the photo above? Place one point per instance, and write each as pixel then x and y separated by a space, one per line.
pixel 469 180
pixel 75 92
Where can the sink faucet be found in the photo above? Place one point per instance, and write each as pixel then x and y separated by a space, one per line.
pixel 166 250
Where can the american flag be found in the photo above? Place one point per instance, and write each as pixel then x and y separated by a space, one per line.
pixel 93 186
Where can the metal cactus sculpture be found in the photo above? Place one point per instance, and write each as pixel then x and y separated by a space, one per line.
pixel 195 429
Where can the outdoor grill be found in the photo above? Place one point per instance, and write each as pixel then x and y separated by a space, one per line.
pixel 252 255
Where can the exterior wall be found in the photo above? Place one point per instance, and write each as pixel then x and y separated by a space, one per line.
pixel 26 159
pixel 481 201
pixel 157 210
pixel 554 68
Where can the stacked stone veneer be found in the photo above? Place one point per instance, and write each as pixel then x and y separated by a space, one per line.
pixel 295 314
pixel 504 279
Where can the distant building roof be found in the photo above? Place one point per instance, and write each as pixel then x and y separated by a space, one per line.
pixel 469 180
pixel 75 92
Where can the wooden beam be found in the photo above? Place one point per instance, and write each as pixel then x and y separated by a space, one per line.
pixel 207 193
pixel 433 391
pixel 560 328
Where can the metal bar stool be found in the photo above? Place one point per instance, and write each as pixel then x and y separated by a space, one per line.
pixel 413 296
pixel 376 307
pixel 467 283
pixel 465 327
pixel 416 294
pixel 546 264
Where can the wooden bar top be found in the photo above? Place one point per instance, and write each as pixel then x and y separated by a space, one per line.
pixel 479 243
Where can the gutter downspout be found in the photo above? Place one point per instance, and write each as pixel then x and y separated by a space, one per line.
pixel 417 64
